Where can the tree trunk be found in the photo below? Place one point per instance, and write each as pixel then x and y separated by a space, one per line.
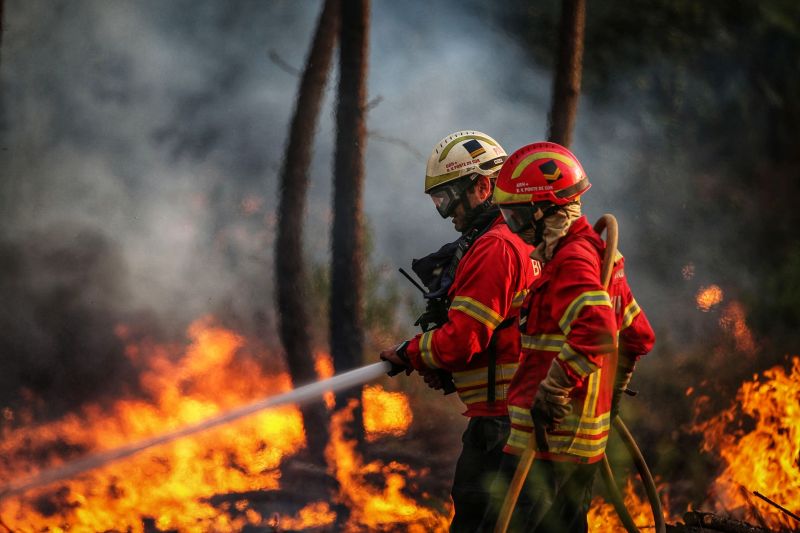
pixel 289 261
pixel 347 269
pixel 347 253
pixel 567 81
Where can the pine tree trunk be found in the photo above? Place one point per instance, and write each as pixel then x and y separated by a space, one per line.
pixel 289 260
pixel 347 274
pixel 347 268
pixel 567 81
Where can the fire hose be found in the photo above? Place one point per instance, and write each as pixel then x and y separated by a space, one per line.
pixel 608 223
pixel 299 395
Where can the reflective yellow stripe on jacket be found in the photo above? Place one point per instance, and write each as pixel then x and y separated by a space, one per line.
pixel 426 349
pixel 630 313
pixel 574 308
pixel 472 385
pixel 471 307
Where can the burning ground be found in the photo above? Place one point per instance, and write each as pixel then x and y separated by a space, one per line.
pixel 250 475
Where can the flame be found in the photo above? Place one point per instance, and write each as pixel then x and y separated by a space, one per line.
pixel 170 482
pixel 385 413
pixel 764 458
pixel 603 517
pixel 323 364
pixel 376 508
pixel 708 297
pixel 175 483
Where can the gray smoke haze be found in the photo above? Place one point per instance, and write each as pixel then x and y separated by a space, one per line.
pixel 155 130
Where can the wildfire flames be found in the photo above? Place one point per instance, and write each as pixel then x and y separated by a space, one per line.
pixel 759 440
pixel 173 485
pixel 603 517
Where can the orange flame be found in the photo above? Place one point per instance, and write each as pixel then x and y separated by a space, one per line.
pixel 323 364
pixel 385 413
pixel 708 297
pixel 174 483
pixel 170 482
pixel 376 508
pixel 603 517
pixel 763 458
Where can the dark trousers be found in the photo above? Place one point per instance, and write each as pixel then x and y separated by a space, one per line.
pixel 480 458
pixel 555 498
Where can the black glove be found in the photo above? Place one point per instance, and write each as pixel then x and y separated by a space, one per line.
pixel 398 358
pixel 552 402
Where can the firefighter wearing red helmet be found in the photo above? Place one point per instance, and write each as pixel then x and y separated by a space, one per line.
pixel 579 340
pixel 481 279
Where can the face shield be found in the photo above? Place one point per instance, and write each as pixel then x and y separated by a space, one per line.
pixel 521 217
pixel 518 217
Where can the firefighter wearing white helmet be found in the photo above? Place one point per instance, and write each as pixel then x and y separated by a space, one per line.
pixel 455 165
pixel 475 287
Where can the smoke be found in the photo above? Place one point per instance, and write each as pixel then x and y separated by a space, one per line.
pixel 58 318
pixel 141 144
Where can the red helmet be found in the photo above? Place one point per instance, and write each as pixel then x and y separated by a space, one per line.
pixel 540 172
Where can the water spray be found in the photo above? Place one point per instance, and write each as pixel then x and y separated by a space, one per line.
pixel 300 395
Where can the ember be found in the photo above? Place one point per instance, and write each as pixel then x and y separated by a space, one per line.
pixel 708 297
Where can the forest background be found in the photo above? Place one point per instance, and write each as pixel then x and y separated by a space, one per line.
pixel 141 145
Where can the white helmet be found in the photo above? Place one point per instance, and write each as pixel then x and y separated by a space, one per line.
pixel 460 154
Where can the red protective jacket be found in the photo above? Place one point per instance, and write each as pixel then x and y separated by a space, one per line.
pixel 567 315
pixel 489 286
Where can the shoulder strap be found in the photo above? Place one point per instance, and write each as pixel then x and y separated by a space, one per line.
pixel 491 351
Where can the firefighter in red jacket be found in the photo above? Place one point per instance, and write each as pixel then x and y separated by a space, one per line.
pixel 579 341
pixel 482 277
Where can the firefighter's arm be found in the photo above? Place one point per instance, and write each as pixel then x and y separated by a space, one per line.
pixel 636 336
pixel 585 316
pixel 481 297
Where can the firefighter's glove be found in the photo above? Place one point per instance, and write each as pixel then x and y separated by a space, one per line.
pixel 432 379
pixel 552 402
pixel 398 358
pixel 621 381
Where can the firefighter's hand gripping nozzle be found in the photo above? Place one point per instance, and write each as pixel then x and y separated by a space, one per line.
pixel 434 316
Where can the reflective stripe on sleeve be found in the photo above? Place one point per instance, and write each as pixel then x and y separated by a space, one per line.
pixel 519 298
pixel 477 310
pixel 426 349
pixel 577 362
pixel 574 308
pixel 631 311
pixel 547 343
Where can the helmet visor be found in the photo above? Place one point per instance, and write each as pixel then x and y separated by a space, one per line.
pixel 518 217
pixel 446 196
pixel 445 199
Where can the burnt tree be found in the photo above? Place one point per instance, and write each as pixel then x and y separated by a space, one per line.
pixel 567 79
pixel 289 261
pixel 347 268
